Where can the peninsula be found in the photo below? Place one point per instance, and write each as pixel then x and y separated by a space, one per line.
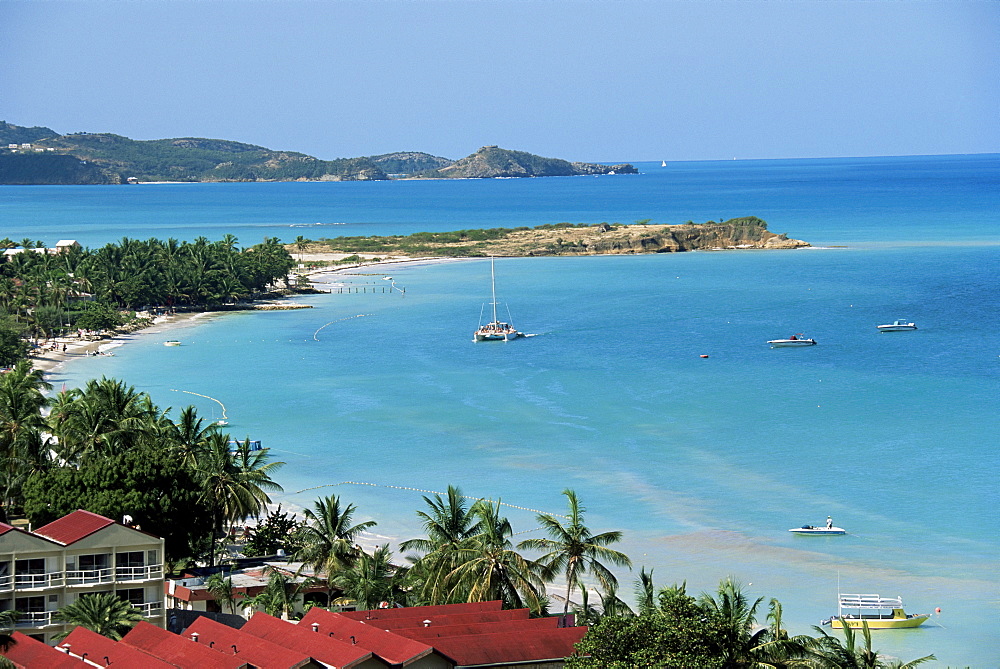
pixel 563 239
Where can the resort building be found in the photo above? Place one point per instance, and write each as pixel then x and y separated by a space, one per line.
pixel 420 637
pixel 80 554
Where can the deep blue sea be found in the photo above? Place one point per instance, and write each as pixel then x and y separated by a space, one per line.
pixel 704 463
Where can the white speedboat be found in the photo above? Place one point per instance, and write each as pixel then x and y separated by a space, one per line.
pixel 897 326
pixel 794 340
pixel 495 330
pixel 171 342
pixel 809 529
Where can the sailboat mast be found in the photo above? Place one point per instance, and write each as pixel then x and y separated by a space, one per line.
pixel 493 284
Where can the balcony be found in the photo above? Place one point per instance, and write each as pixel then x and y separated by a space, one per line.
pixel 90 576
pixel 37 619
pixel 6 582
pixel 46 580
pixel 150 609
pixel 139 573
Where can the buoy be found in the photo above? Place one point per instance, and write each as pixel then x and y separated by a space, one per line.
pixel 703 356
pixel 937 610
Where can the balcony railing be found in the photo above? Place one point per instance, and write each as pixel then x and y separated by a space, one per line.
pixel 150 609
pixel 46 580
pixel 37 619
pixel 139 573
pixel 90 576
pixel 6 582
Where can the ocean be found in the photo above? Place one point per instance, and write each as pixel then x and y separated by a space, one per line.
pixel 703 462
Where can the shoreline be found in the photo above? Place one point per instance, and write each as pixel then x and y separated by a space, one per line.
pixel 48 361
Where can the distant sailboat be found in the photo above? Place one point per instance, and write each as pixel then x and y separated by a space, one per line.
pixel 663 164
pixel 496 330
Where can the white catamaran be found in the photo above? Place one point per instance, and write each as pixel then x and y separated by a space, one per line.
pixel 495 330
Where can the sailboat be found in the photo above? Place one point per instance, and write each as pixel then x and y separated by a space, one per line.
pixel 495 330
pixel 663 164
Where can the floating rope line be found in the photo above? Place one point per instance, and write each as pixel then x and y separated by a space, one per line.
pixel 435 492
pixel 206 397
pixel 341 320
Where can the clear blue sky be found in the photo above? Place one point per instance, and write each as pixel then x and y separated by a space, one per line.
pixel 599 81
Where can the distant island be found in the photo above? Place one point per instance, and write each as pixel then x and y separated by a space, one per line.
pixel 563 239
pixel 41 156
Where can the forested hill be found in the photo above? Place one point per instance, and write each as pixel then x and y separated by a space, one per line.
pixel 40 155
pixel 494 162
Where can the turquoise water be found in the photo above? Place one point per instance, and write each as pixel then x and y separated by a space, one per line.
pixel 703 462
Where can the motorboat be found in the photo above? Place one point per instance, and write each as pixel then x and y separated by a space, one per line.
pixel 897 326
pixel 879 612
pixel 171 342
pixel 495 330
pixel 794 340
pixel 811 529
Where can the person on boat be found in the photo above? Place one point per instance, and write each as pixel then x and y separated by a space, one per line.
pixel 829 522
pixel 793 338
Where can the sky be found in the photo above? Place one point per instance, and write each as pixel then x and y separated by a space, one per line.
pixel 601 81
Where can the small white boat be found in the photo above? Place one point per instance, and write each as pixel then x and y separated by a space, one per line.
pixel 663 164
pixel 897 326
pixel 794 340
pixel 495 330
pixel 171 342
pixel 809 529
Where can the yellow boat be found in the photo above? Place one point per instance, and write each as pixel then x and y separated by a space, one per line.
pixel 881 613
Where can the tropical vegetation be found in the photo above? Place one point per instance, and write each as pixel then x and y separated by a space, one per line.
pixel 105 613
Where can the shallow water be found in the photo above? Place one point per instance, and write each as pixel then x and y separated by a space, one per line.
pixel 704 463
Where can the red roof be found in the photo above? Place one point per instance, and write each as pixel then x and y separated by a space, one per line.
pixel 259 652
pixel 511 647
pixel 428 634
pixel 317 646
pixel 392 648
pixel 179 650
pixel 81 642
pixel 460 619
pixel 29 653
pixel 424 611
pixel 77 525
pixel 5 528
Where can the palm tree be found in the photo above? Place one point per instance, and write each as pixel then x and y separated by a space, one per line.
pixel 22 447
pixel 645 592
pixel 8 619
pixel 574 550
pixel 741 642
pixel 279 596
pixel 829 651
pixel 329 539
pixel 447 524
pixel 220 587
pixel 234 484
pixel 489 568
pixel 105 613
pixel 368 582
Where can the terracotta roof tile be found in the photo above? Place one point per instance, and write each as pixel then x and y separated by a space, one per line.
pixel 317 646
pixel 259 652
pixel 424 611
pixel 179 650
pixel 77 525
pixel 511 647
pixel 107 652
pixel 428 634
pixel 392 648
pixel 460 619
pixel 29 653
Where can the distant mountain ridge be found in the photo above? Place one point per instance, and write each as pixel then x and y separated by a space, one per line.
pixel 43 156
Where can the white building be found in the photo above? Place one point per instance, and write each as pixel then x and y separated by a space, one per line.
pixel 79 554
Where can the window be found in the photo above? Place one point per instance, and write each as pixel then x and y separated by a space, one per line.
pixel 130 559
pixel 29 604
pixel 33 566
pixel 134 596
pixel 94 562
